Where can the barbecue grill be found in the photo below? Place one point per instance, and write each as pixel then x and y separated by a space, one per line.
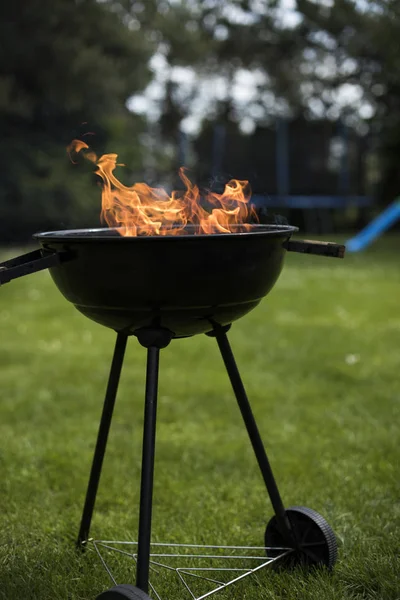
pixel 159 288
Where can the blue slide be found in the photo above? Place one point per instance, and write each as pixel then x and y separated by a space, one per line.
pixel 382 222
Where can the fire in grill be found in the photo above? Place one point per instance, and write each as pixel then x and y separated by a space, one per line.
pixel 192 271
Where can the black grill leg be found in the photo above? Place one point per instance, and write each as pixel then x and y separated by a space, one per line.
pixel 148 454
pixel 102 436
pixel 254 434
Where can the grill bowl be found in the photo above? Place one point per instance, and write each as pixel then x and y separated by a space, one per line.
pixel 184 283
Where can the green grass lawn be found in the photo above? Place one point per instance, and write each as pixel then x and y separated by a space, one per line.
pixel 320 358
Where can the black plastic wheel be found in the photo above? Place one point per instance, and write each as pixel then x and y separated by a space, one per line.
pixel 129 592
pixel 315 542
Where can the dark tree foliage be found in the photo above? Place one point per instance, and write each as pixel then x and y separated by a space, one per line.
pixel 369 34
pixel 67 68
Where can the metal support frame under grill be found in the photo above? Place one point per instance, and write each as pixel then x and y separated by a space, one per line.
pixel 143 556
pixel 201 570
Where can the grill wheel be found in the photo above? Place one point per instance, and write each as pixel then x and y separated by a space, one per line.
pixel 119 592
pixel 315 540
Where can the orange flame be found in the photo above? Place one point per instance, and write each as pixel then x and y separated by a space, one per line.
pixel 142 210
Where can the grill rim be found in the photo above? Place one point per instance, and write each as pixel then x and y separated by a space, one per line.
pixel 110 234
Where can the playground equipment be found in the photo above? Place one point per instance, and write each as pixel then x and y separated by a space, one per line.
pixel 287 166
pixel 386 219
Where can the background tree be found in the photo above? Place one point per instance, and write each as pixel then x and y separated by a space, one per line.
pixel 362 43
pixel 67 68
pixel 318 60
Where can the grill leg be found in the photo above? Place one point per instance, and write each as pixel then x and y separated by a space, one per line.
pixel 148 454
pixel 102 436
pixel 254 434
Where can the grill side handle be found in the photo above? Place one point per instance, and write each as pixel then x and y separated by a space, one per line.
pixel 315 247
pixel 30 263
